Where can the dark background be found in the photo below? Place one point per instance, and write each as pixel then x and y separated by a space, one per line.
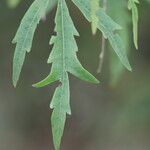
pixel 103 117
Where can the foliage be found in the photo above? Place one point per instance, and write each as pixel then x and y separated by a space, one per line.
pixel 25 33
pixel 116 68
pixel 63 58
pixel 94 9
pixel 132 6
pixel 63 55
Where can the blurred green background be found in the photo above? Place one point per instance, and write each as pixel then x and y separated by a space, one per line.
pixel 104 117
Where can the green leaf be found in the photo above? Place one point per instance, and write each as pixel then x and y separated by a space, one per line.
pixel 108 27
pixel 116 68
pixel 25 33
pixel 63 58
pixel 132 6
pixel 94 9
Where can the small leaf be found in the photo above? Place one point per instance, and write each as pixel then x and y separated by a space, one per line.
pixel 25 33
pixel 132 6
pixel 108 27
pixel 94 9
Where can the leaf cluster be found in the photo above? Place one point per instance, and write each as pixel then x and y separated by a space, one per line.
pixel 63 56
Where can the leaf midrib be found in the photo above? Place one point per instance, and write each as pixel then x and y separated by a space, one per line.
pixel 63 62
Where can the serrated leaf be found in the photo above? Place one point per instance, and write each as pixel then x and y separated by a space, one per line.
pixel 63 58
pixel 94 9
pixel 108 27
pixel 132 6
pixel 25 33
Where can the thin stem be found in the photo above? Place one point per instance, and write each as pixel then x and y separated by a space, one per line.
pixel 103 47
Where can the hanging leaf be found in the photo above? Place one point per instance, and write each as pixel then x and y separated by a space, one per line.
pixel 108 27
pixel 25 33
pixel 132 6
pixel 94 9
pixel 116 68
pixel 63 58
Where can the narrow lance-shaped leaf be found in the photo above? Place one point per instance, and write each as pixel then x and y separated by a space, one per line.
pixel 116 68
pixel 94 9
pixel 108 27
pixel 63 58
pixel 132 6
pixel 25 33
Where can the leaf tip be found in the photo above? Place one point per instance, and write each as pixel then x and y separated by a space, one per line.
pixel 129 68
pixel 36 85
pixel 94 30
pixel 15 79
pixel 14 83
pixel 97 81
pixel 136 45
pixel 94 81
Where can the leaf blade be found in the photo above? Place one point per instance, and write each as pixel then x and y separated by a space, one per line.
pixel 24 35
pixel 132 6
pixel 108 27
pixel 94 9
pixel 64 60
